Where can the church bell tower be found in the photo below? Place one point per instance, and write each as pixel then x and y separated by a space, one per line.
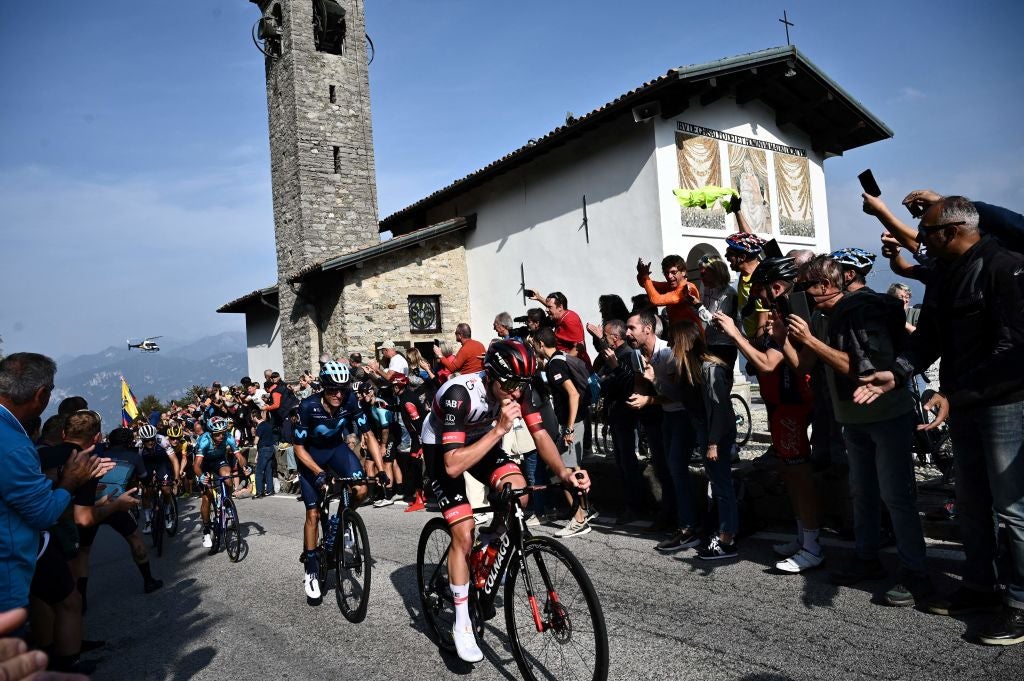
pixel 321 152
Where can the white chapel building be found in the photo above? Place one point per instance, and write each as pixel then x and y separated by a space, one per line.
pixel 569 211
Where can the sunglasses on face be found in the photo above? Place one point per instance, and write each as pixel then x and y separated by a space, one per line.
pixel 930 229
pixel 803 286
pixel 510 385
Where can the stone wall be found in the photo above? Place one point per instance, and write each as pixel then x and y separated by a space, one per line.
pixel 318 213
pixel 373 305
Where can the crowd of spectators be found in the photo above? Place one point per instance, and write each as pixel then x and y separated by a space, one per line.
pixel 833 358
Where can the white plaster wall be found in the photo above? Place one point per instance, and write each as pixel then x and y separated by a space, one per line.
pixel 263 341
pixel 533 216
pixel 753 120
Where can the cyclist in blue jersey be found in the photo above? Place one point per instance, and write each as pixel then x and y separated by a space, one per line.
pixel 319 440
pixel 215 454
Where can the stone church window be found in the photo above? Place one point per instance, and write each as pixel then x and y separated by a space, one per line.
pixel 425 314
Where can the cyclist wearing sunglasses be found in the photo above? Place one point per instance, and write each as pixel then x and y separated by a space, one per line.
pixel 320 443
pixel 215 455
pixel 462 434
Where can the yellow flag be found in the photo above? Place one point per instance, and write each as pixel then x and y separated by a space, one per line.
pixel 129 407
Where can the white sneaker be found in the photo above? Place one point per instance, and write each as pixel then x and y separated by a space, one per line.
pixel 465 645
pixel 312 584
pixel 148 528
pixel 207 541
pixel 533 521
pixel 168 523
pixel 350 540
pixel 573 529
pixel 483 518
pixel 800 561
pixel 788 549
pixel 381 503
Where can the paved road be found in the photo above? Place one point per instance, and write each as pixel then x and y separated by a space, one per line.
pixel 668 618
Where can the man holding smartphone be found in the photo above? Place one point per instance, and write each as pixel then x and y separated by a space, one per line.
pixel 865 334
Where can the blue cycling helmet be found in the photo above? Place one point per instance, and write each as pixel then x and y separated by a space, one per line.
pixel 854 258
pixel 744 242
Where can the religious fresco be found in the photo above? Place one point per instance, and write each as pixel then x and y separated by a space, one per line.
pixel 700 165
pixel 748 168
pixel 793 180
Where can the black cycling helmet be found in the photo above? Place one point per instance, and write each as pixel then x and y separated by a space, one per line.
pixel 510 361
pixel 774 269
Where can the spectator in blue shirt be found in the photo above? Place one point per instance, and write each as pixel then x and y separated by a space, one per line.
pixel 29 502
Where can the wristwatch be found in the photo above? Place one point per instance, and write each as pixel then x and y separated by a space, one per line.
pixel 568 431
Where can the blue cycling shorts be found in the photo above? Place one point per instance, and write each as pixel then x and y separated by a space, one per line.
pixel 339 459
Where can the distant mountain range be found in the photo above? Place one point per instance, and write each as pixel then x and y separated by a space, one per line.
pixel 167 374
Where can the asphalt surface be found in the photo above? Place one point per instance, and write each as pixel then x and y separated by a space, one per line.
pixel 668 617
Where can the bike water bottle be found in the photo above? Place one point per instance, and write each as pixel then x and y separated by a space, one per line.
pixel 489 555
pixel 332 532
pixel 476 566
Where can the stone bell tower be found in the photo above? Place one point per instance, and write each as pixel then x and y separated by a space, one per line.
pixel 321 152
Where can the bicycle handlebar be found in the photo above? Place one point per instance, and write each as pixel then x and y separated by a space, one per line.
pixel 508 494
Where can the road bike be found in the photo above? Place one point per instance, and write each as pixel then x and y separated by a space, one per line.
pixel 165 516
pixel 226 530
pixel 553 617
pixel 345 546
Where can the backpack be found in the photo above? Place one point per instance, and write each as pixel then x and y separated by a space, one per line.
pixel 580 378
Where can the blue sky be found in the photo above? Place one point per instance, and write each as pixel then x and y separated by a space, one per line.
pixel 134 164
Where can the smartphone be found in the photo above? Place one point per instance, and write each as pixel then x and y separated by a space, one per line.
pixel 771 249
pixel 437 342
pixel 782 305
pixel 800 305
pixel 530 293
pixel 637 360
pixel 867 181
pixel 115 481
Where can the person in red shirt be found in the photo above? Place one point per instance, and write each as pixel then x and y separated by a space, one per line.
pixel 568 325
pixel 676 293
pixel 470 357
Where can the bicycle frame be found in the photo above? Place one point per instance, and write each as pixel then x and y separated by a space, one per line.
pixel 344 496
pixel 512 547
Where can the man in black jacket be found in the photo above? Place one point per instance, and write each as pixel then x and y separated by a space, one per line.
pixel 973 318
pixel 617 384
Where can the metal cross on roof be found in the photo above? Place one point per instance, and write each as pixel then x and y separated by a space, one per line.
pixel 785 21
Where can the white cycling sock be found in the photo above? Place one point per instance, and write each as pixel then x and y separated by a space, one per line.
pixel 810 541
pixel 461 594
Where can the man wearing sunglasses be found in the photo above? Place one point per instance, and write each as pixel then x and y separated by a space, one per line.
pixel 325 419
pixel 462 434
pixel 973 319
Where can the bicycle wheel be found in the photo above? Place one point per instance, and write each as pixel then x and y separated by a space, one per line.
pixel 573 643
pixel 436 598
pixel 744 425
pixel 156 527
pixel 232 532
pixel 171 513
pixel 352 567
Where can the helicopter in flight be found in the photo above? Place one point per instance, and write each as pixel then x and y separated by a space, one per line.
pixel 148 345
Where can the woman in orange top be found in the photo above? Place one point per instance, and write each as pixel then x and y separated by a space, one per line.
pixel 676 293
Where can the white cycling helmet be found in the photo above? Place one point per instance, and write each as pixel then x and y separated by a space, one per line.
pixel 147 432
pixel 334 375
